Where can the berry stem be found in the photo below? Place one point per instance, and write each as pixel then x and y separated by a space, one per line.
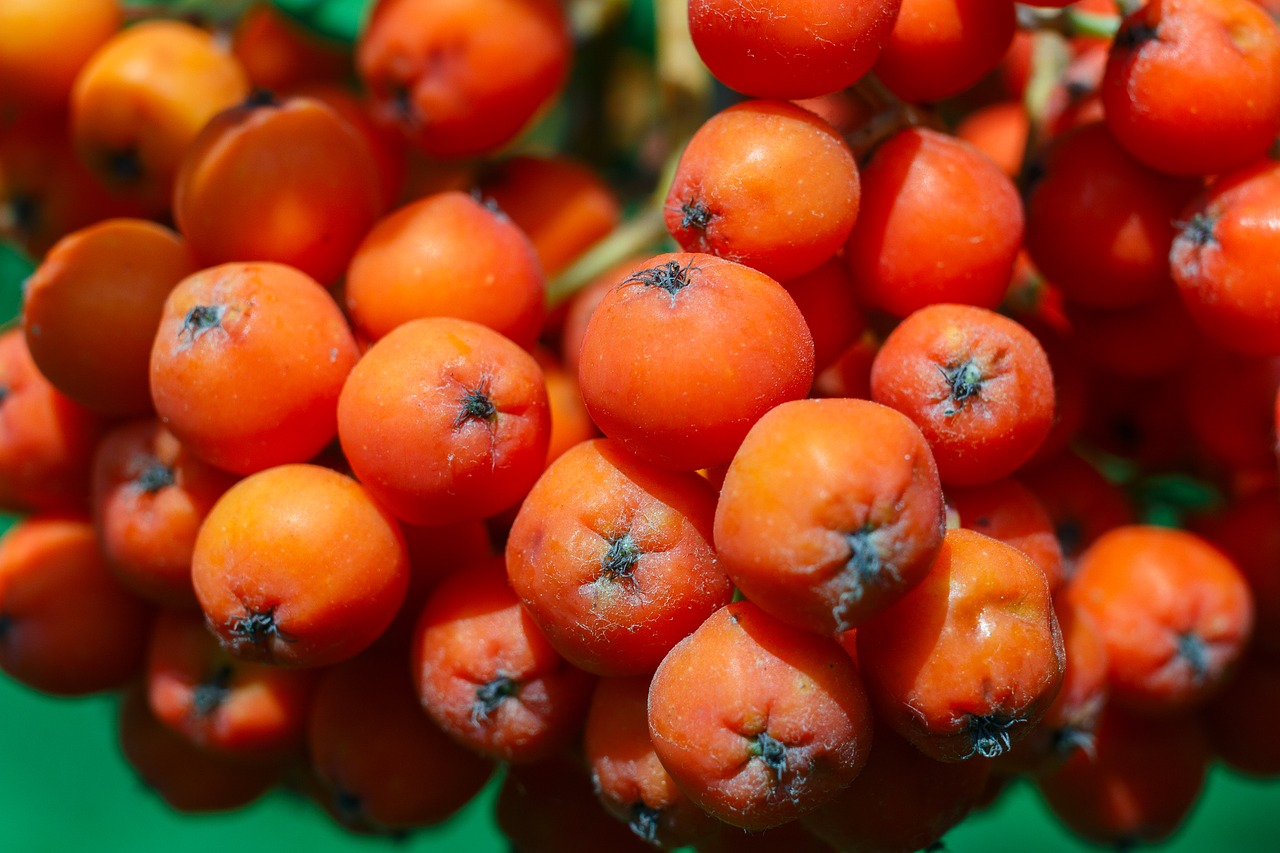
pixel 635 236
pixel 890 114
pixel 683 79
pixel 1050 56
pixel 1068 22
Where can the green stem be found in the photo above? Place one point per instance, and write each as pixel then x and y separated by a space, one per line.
pixel 637 235
pixel 1068 22
pixel 1049 58
pixel 1090 24
pixel 633 237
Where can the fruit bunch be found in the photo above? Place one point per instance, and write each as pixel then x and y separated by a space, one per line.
pixel 785 427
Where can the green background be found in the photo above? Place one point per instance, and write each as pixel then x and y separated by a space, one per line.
pixel 64 785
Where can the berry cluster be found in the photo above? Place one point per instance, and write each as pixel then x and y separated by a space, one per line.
pixel 913 433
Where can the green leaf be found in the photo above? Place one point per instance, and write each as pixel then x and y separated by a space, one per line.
pixel 336 19
pixel 15 267
pixel 640 26
pixel 1181 491
pixel 1167 499
pixel 221 11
